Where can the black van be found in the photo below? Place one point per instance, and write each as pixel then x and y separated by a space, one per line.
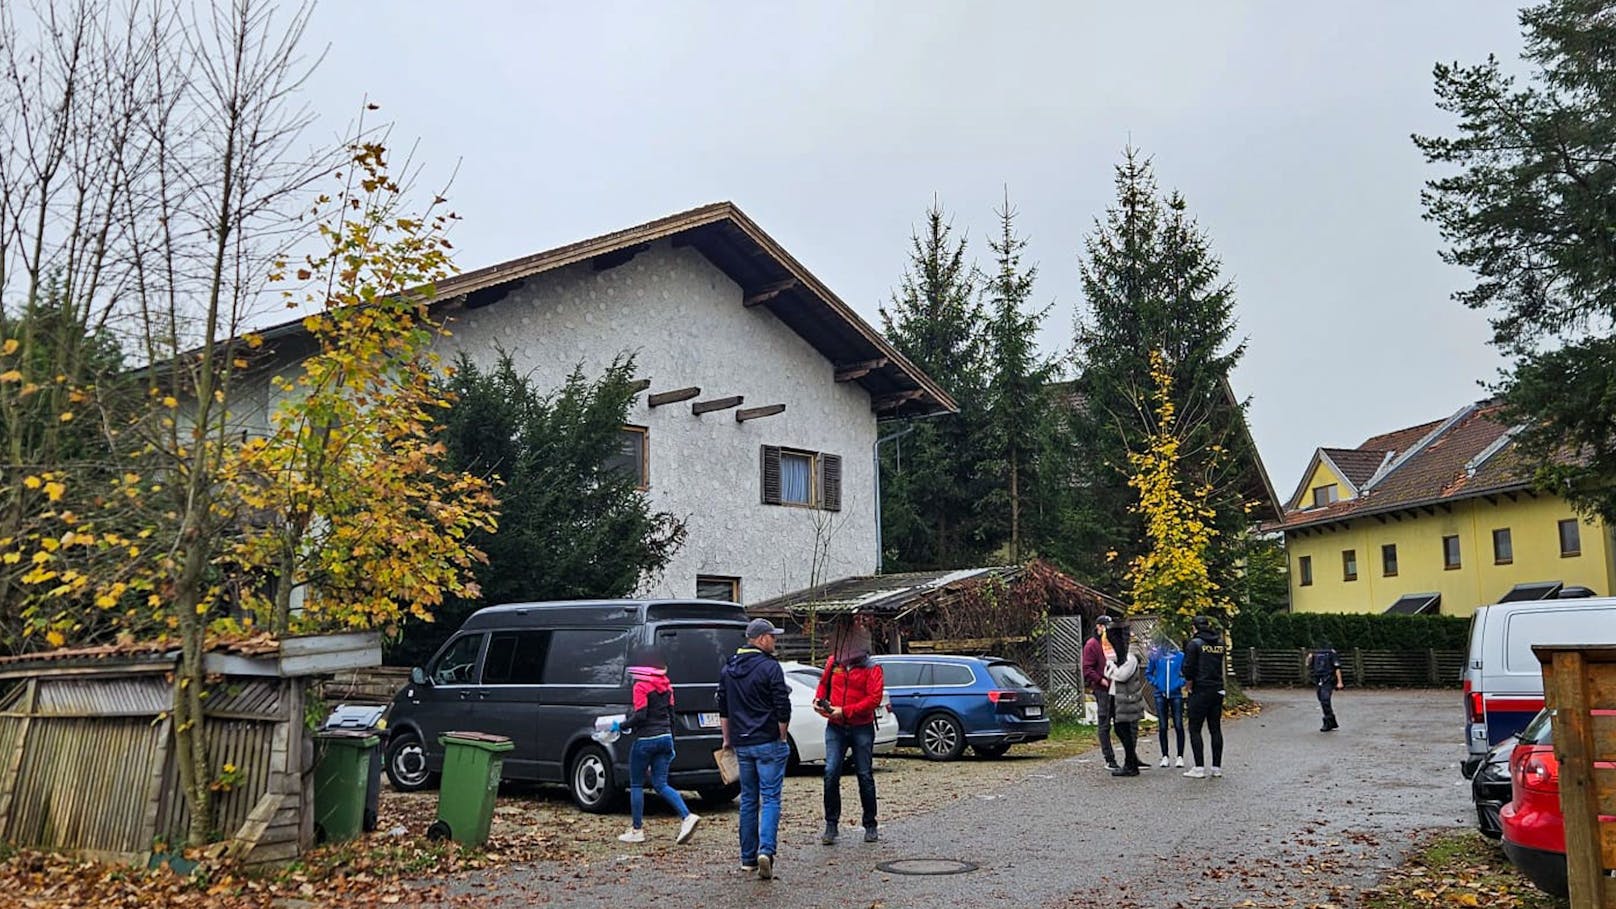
pixel 541 673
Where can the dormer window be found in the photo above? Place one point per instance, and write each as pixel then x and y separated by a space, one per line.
pixel 1325 495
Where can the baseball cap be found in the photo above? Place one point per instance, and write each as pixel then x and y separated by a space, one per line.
pixel 757 628
pixel 1103 620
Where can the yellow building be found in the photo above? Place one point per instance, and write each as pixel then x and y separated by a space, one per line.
pixel 1439 517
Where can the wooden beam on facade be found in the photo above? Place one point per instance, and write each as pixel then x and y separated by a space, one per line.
pixel 847 372
pixel 639 385
pixel 1446 508
pixel 765 294
pixel 1428 510
pixel 701 407
pixel 1491 500
pixel 674 396
pixel 1381 518
pixel 1511 497
pixel 758 413
pixel 896 399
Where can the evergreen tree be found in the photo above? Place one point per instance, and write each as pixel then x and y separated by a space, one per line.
pixel 1151 283
pixel 933 480
pixel 1018 392
pixel 571 526
pixel 1528 205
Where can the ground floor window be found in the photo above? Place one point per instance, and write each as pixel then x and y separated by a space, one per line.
pixel 718 587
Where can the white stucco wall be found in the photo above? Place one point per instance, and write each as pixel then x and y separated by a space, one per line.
pixel 683 320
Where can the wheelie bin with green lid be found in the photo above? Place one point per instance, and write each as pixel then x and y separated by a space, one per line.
pixel 341 775
pixel 471 766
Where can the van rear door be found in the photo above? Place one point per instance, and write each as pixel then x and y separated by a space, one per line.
pixel 696 652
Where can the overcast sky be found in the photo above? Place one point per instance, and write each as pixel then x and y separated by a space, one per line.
pixel 1285 125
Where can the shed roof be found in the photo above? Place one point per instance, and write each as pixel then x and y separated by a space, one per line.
pixel 904 592
pixel 259 654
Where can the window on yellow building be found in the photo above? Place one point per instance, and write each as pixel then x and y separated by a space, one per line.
pixel 1503 547
pixel 1388 560
pixel 1349 564
pixel 1450 552
pixel 1570 538
pixel 1304 570
pixel 1324 495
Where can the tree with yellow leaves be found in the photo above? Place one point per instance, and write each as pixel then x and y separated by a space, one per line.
pixel 1170 578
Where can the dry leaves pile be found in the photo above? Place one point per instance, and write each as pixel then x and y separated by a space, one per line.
pixel 1457 869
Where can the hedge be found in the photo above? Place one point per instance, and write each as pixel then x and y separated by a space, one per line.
pixel 1348 631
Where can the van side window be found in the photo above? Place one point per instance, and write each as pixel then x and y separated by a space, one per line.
pixel 459 662
pixel 587 656
pixel 515 657
pixel 951 674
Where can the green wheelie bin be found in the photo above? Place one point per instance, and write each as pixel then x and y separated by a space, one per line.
pixel 471 768
pixel 341 776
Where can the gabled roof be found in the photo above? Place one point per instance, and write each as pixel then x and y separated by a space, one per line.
pixel 1355 465
pixel 1468 454
pixel 769 277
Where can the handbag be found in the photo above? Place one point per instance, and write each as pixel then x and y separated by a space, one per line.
pixel 729 768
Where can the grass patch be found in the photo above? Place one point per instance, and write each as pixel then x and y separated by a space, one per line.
pixel 1458 868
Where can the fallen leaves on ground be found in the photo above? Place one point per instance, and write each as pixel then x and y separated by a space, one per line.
pixel 1456 869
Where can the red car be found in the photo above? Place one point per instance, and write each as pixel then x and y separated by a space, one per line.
pixel 1534 828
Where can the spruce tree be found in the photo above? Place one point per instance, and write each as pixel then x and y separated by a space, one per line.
pixel 1150 282
pixel 1018 391
pixel 933 479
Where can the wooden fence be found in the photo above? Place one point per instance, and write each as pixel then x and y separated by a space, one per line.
pixel 1579 688
pixel 374 685
pixel 1359 668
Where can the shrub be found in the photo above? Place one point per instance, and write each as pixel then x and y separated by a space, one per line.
pixel 1347 631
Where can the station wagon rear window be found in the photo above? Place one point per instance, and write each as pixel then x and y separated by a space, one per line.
pixel 695 653
pixel 1009 675
pixel 951 674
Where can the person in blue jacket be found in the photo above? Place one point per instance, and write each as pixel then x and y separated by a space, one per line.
pixel 1165 672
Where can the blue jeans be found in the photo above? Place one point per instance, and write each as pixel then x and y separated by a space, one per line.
pixel 655 753
pixel 763 773
pixel 1170 707
pixel 838 739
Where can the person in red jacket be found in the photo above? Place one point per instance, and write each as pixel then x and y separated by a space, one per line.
pixel 849 691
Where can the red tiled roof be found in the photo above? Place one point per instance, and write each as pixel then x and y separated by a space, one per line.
pixel 1358 464
pixel 1441 470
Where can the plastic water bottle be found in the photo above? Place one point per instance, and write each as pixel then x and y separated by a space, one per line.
pixel 608 729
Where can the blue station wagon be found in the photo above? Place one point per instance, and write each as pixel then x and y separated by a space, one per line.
pixel 944 703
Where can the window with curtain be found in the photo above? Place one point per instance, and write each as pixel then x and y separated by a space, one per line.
pixel 796 478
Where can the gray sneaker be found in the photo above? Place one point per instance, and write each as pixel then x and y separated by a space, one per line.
pixel 870 836
pixel 829 836
pixel 765 867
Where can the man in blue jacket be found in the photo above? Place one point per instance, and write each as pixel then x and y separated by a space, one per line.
pixel 1165 671
pixel 754 710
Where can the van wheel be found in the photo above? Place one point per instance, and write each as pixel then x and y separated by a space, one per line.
pixel 591 781
pixel 718 795
pixel 941 737
pixel 406 763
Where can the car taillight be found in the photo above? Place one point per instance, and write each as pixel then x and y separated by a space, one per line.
pixel 1002 697
pixel 1535 768
pixel 1475 710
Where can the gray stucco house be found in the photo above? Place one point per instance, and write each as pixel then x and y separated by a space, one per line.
pixel 759 418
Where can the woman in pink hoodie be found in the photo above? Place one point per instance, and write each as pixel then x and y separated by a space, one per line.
pixel 652 726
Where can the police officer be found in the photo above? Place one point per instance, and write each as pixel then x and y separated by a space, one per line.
pixel 1326 671
pixel 1204 667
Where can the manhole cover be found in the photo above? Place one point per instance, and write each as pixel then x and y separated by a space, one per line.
pixel 926 866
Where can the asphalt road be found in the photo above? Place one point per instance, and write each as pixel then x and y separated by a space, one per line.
pixel 1301 818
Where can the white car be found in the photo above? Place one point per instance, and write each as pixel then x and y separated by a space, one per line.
pixel 807 728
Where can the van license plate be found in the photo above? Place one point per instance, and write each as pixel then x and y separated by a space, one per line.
pixel 1035 712
pixel 707 720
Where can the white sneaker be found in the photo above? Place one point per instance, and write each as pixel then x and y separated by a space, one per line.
pixel 765 867
pixel 1196 773
pixel 1164 760
pixel 1179 762
pixel 632 836
pixel 1217 771
pixel 687 828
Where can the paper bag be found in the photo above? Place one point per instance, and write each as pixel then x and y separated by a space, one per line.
pixel 729 769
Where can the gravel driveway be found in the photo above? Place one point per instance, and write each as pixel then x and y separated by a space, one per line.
pixel 1301 819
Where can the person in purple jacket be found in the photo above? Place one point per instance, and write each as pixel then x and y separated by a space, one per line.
pixel 1095 682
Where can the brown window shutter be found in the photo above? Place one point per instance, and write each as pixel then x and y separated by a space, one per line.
pixel 771 474
pixel 830 482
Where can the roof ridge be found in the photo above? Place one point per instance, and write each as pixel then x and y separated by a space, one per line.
pixel 1390 467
